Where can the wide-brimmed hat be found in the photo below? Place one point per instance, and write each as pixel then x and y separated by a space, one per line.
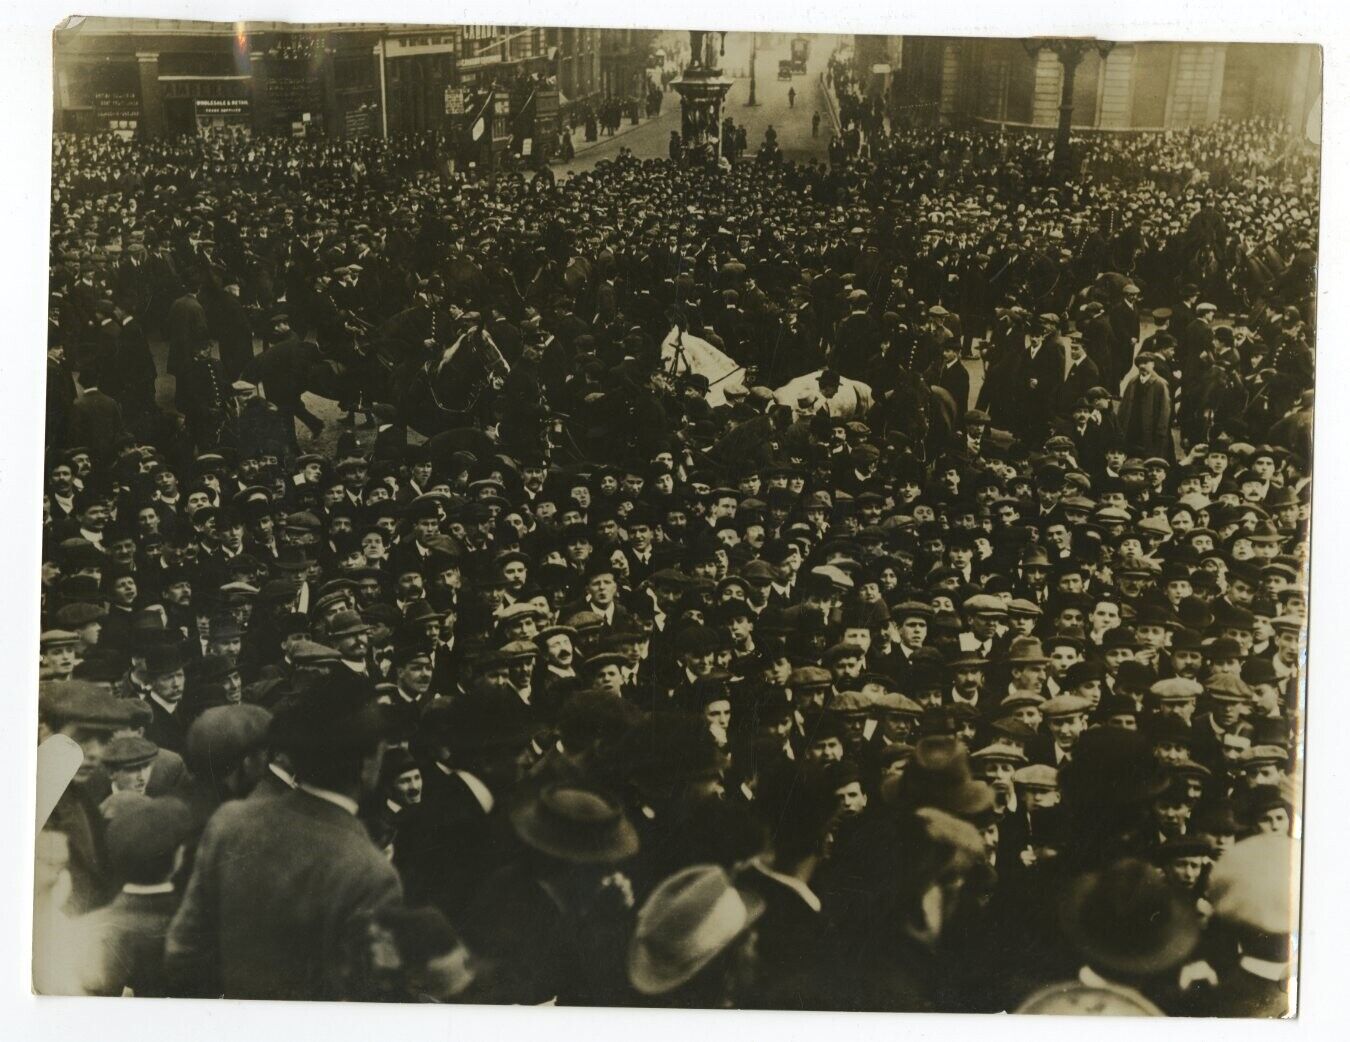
pixel 576 824
pixel 688 921
pixel 1127 919
pixel 938 775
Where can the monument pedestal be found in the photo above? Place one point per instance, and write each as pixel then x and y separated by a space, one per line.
pixel 702 90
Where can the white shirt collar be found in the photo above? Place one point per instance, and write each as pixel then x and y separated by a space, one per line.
pixel 168 707
pixel 329 796
pixel 147 888
pixel 286 776
pixel 1264 968
pixel 792 883
pixel 480 791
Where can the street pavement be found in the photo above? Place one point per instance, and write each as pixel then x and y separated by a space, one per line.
pixel 651 140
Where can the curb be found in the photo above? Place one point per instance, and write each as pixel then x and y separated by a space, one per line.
pixel 624 128
pixel 830 104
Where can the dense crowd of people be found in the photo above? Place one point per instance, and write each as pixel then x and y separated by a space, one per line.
pixel 594 683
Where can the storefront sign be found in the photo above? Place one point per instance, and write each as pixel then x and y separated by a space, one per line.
pixel 359 122
pixel 222 88
pixel 117 107
pixel 423 43
pixel 207 107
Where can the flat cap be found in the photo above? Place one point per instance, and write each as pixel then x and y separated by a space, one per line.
pixel 1250 887
pixel 1176 689
pixel 81 702
pixel 147 830
pixel 309 652
pixel 911 610
pixel 223 734
pixel 1065 705
pixel 129 751
pixel 984 604
pixel 1037 776
pixel 809 677
pixel 999 751
pixel 1227 688
pixel 77 614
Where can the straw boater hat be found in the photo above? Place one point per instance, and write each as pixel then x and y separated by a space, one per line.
pixel 687 922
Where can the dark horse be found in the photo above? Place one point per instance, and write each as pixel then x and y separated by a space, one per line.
pixel 925 416
pixel 452 388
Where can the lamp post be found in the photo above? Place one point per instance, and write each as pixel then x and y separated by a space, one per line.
pixel 754 53
pixel 1069 52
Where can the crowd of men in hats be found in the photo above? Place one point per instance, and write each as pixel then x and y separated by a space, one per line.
pixel 694 705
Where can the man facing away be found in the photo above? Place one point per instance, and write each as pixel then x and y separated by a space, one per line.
pixel 282 889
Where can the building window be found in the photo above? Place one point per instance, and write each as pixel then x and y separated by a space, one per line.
pixel 220 63
pixel 354 72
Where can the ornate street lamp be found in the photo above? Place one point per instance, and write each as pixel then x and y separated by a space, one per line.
pixel 702 88
pixel 1070 52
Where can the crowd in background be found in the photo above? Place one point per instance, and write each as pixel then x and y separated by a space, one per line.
pixel 605 684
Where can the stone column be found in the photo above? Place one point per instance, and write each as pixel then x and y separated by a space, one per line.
pixel 262 106
pixel 152 101
pixel 333 124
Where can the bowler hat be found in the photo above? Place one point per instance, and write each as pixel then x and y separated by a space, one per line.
pixel 339 716
pixel 164 658
pixel 486 720
pixel 346 624
pixel 1111 767
pixel 1026 651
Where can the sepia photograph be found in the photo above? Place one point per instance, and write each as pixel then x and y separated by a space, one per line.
pixel 675 518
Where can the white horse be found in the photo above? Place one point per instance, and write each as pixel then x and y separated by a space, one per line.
pixel 852 401
pixel 696 355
